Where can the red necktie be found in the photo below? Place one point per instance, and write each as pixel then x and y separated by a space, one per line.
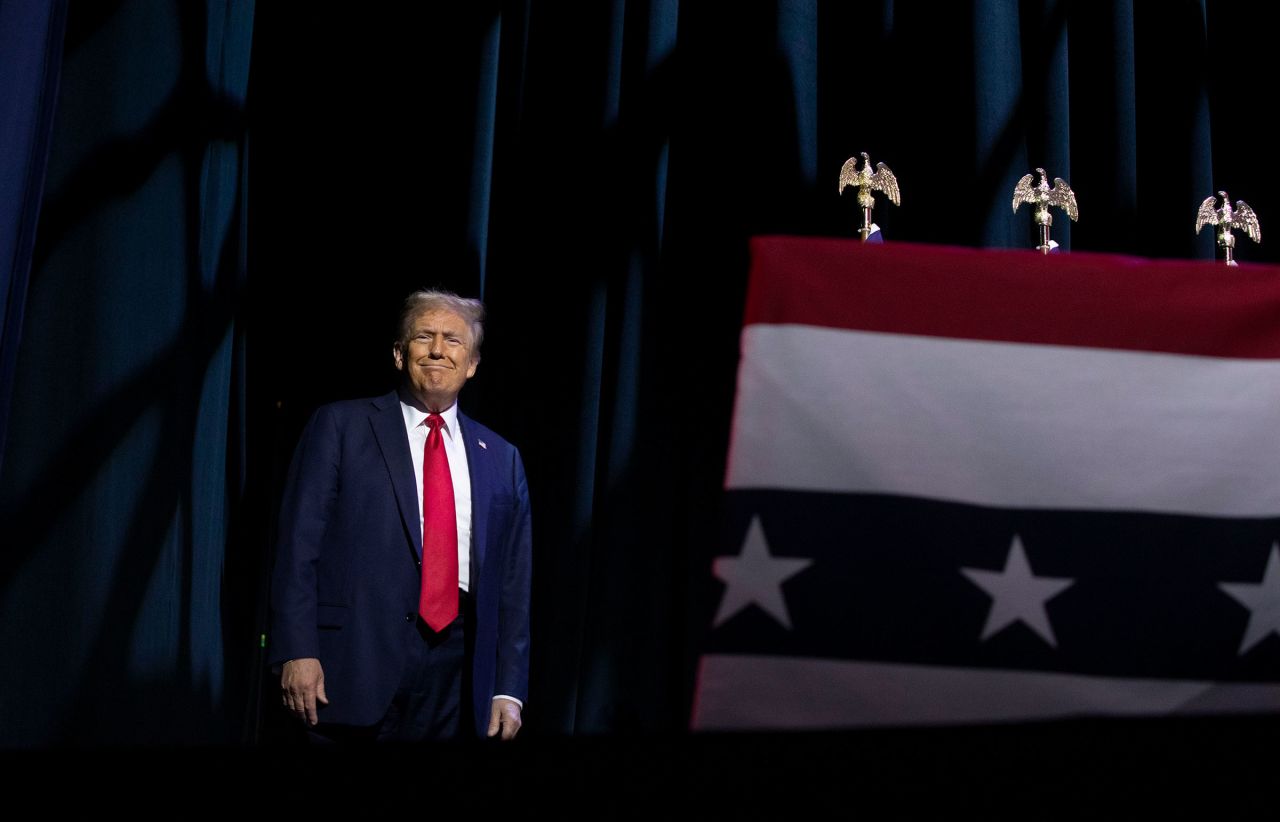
pixel 438 602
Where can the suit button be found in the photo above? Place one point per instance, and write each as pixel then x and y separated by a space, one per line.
pixel 408 617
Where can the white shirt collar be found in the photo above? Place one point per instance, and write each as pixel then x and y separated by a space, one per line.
pixel 414 415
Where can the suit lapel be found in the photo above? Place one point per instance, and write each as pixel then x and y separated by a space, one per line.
pixel 388 429
pixel 477 468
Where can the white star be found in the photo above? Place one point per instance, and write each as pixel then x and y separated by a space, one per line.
pixel 1017 594
pixel 1262 600
pixel 755 577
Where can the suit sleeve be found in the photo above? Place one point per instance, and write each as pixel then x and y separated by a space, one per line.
pixel 513 616
pixel 310 492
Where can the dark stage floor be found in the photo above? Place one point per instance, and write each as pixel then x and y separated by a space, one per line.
pixel 1032 770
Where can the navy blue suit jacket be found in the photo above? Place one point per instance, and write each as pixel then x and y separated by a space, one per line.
pixel 346 579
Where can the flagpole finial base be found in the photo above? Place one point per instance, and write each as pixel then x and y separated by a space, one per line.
pixel 1045 244
pixel 865 231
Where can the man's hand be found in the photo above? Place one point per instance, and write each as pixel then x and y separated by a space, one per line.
pixel 504 718
pixel 302 687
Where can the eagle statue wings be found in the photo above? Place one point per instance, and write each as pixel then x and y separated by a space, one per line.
pixel 867 181
pixel 1041 196
pixel 1241 218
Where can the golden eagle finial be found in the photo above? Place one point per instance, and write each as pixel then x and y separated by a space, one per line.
pixel 1241 218
pixel 1042 197
pixel 866 181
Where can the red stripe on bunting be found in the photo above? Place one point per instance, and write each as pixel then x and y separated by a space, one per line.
pixel 1078 299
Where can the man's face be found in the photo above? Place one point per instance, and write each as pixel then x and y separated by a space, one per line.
pixel 437 360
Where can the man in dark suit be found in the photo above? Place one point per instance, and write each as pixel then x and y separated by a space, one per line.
pixel 400 596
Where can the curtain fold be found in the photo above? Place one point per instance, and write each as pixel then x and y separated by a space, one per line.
pixel 31 35
pixel 123 475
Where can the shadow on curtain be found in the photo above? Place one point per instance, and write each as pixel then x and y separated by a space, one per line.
pixel 124 462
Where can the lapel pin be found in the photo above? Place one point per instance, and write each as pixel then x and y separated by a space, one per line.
pixel 482 445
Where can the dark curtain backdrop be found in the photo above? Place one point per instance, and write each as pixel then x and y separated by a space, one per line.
pixel 593 171
pixel 31 35
pixel 124 463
